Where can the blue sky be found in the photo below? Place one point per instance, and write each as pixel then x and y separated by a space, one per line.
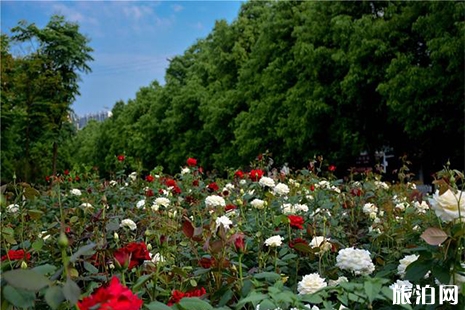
pixel 132 40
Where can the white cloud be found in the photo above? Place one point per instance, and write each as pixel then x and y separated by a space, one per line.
pixel 198 25
pixel 177 7
pixel 137 11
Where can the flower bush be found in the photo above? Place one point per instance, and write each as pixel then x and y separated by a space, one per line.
pixel 251 241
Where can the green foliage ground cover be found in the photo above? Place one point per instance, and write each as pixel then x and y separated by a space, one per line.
pixel 232 243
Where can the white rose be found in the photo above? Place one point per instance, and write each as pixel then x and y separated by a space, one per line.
pixel 133 176
pixel 310 284
pixel 274 241
pixel 157 258
pixel 370 208
pixel 215 201
pixel 75 192
pixel 13 208
pixel 140 204
pixel 86 206
pixel 448 205
pixel 162 201
pixel 356 260
pixel 421 207
pixel 185 170
pixel 381 185
pixel 223 221
pixel 281 189
pixel 321 243
pixel 404 262
pixel 258 203
pixel 128 223
pixel 300 207
pixel 266 181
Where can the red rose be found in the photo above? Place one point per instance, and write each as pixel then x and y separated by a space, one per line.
pixel 149 178
pixel 47 178
pixel 149 193
pixel 132 255
pixel 66 172
pixel 121 157
pixel 229 207
pixel 332 168
pixel 292 243
pixel 356 192
pixel 122 257
pixel 255 174
pixel 312 187
pixel 239 174
pixel 213 187
pixel 195 183
pixel 191 162
pixel 296 221
pixel 139 250
pixel 77 178
pixel 239 243
pixel 114 296
pixel 176 295
pixel 170 183
pixel 16 255
pixel 176 190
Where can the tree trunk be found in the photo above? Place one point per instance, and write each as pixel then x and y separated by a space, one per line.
pixel 54 160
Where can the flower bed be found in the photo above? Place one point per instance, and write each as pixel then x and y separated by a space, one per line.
pixel 253 241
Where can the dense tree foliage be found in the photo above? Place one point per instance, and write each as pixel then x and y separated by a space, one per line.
pixel 37 91
pixel 299 79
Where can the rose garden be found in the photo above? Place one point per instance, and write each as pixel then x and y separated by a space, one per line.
pixel 251 241
pixel 306 155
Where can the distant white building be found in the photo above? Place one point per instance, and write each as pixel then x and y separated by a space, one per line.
pixel 81 121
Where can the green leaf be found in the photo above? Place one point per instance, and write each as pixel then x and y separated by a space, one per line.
pixel 71 291
pixel 141 281
pixel 8 231
pixel 269 276
pixel 18 297
pixel 83 250
pixel 45 269
pixel 10 239
pixel 417 270
pixel 35 214
pixel 112 226
pixel 372 289
pixel 26 279
pixel 266 305
pixel 90 268
pixel 38 244
pixel 441 273
pixel 156 305
pixel 226 297
pixel 54 296
pixel 193 303
pixel 253 297
pixel 30 193
pixel 313 298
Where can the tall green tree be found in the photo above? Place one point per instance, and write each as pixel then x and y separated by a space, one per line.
pixel 65 52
